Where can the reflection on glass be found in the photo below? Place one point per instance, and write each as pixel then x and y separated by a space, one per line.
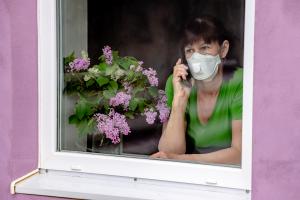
pixel 137 83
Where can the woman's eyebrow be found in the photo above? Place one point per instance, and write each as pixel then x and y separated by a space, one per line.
pixel 204 44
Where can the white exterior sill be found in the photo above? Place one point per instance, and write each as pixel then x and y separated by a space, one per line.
pixel 92 186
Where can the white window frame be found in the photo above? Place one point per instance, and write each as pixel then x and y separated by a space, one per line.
pixel 49 158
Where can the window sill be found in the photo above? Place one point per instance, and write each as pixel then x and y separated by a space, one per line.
pixel 92 186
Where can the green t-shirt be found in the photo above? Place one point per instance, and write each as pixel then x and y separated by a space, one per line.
pixel 217 132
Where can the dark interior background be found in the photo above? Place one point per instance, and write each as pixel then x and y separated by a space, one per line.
pixel 149 30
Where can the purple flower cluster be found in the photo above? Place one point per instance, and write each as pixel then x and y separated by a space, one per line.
pixel 162 107
pixel 112 125
pixel 150 116
pixel 128 88
pixel 151 75
pixel 121 98
pixel 107 52
pixel 139 67
pixel 79 64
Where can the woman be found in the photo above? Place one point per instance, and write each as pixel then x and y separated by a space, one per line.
pixel 208 114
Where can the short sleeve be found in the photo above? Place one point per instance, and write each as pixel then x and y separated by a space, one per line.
pixel 169 91
pixel 236 107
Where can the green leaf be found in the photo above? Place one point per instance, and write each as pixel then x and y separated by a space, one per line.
pixel 133 104
pixel 102 66
pixel 94 99
pixel 113 85
pixel 90 82
pixel 102 58
pixel 130 75
pixel 141 105
pixel 102 80
pixel 106 108
pixel 129 115
pixel 108 94
pixel 153 91
pixel 115 55
pixel 111 69
pixel 69 58
pixel 137 90
pixel 73 119
pixel 80 109
pixel 86 126
pixel 131 58
pixel 125 62
pixel 91 122
pixel 84 108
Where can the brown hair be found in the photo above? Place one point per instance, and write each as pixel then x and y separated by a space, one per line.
pixel 206 28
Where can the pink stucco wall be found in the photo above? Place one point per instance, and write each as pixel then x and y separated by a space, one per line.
pixel 276 117
pixel 276 125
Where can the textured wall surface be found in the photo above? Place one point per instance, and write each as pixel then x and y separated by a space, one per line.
pixel 276 117
pixel 276 131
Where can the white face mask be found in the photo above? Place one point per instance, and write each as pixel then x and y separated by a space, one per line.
pixel 203 67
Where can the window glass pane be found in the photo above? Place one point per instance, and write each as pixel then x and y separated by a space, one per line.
pixel 115 89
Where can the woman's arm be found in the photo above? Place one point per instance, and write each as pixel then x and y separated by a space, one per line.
pixel 230 155
pixel 173 134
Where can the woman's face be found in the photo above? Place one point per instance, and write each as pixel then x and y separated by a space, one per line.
pixel 212 48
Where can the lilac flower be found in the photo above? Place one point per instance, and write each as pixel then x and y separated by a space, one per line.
pixel 150 116
pixel 107 52
pixel 112 125
pixel 79 64
pixel 120 122
pixel 139 67
pixel 120 99
pixel 151 75
pixel 105 126
pixel 163 109
pixel 164 112
pixel 162 96
pixel 128 88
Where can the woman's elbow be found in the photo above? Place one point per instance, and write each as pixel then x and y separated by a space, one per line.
pixel 171 148
pixel 237 156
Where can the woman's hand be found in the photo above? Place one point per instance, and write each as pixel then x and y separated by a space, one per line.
pixel 163 155
pixel 180 73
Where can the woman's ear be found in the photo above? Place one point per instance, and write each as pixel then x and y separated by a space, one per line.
pixel 224 48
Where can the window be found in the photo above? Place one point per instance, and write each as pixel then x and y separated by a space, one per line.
pixel 93 87
pixel 67 25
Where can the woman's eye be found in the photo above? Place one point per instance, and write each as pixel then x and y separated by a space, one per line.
pixel 189 50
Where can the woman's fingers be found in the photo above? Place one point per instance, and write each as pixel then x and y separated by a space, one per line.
pixel 180 66
pixel 178 61
pixel 155 155
pixel 159 154
pixel 180 71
